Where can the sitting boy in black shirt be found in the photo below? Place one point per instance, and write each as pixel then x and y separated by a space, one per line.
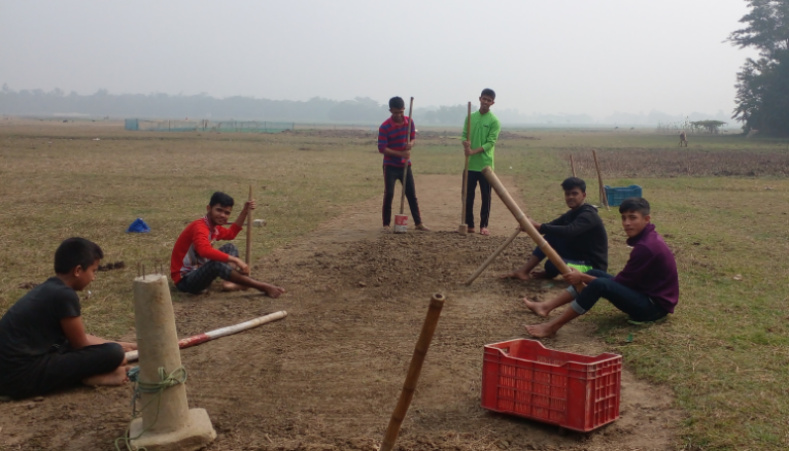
pixel 43 344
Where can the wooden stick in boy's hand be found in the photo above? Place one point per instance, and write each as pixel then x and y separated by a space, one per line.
pixel 526 225
pixel 406 160
pixel 249 230
pixel 463 228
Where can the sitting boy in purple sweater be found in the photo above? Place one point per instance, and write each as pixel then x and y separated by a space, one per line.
pixel 647 289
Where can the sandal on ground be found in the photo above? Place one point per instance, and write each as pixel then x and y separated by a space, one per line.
pixel 484 231
pixel 646 323
pixel 422 227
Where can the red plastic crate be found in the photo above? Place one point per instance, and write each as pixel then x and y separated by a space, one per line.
pixel 524 378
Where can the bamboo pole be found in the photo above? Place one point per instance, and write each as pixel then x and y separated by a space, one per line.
pixel 420 351
pixel 405 168
pixel 603 197
pixel 463 228
pixel 493 256
pixel 526 225
pixel 195 340
pixel 248 257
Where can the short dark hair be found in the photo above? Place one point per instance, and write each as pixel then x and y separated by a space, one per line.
pixel 488 92
pixel 74 252
pixel 574 182
pixel 222 199
pixel 637 204
pixel 396 103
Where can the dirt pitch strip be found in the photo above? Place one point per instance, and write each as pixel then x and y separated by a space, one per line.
pixel 328 376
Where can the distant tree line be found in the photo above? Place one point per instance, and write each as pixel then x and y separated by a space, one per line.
pixel 100 104
pixel 360 110
pixel 763 84
pixel 36 102
pixel 710 126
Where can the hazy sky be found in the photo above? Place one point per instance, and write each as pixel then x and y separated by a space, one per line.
pixel 592 57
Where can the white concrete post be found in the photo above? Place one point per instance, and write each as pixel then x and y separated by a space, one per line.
pixel 166 424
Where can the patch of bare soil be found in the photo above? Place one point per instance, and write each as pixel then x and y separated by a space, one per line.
pixel 328 376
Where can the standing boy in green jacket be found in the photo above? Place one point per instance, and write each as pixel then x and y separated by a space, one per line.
pixel 485 128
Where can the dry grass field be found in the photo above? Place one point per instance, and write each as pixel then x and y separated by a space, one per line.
pixel 327 377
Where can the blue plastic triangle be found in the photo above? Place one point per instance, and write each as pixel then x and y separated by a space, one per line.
pixel 138 226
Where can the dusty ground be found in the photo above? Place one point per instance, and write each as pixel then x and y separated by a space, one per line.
pixel 328 376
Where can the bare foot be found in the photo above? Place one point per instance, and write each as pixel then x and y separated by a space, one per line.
pixel 113 378
pixel 539 274
pixel 422 227
pixel 538 308
pixel 127 346
pixel 521 275
pixel 273 291
pixel 230 286
pixel 540 330
pixel 484 231
pixel 386 229
pixel 470 230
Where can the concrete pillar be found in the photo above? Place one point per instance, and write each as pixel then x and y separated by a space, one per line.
pixel 168 424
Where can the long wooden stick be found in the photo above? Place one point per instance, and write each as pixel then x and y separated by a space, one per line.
pixel 493 256
pixel 248 257
pixel 463 228
pixel 405 168
pixel 194 340
pixel 603 197
pixel 420 351
pixel 572 165
pixel 526 225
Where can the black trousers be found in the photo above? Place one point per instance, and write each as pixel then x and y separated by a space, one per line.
pixel 60 369
pixel 475 177
pixel 202 277
pixel 391 176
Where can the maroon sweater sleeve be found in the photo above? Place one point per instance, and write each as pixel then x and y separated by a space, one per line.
pixel 636 268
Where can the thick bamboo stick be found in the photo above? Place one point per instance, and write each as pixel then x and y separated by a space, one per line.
pixel 195 340
pixel 493 256
pixel 420 351
pixel 603 197
pixel 405 168
pixel 526 225
pixel 463 228
pixel 572 165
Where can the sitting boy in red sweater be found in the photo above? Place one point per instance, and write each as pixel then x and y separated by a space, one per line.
pixel 195 263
